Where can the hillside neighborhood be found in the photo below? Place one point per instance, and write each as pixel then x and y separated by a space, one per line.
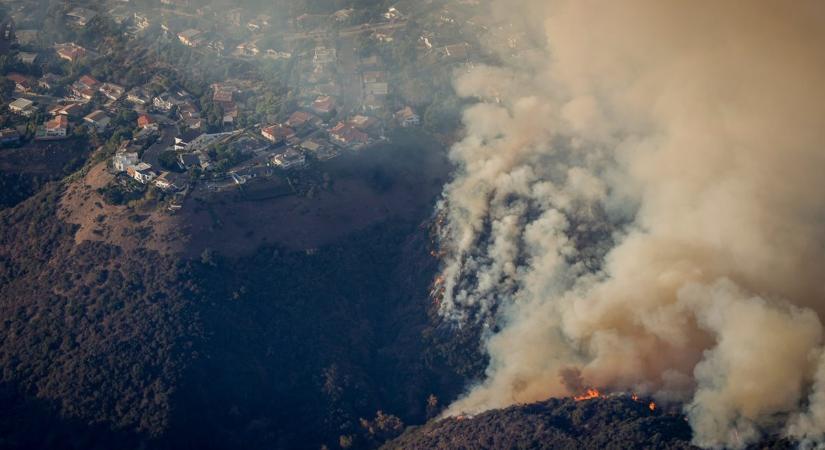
pixel 297 91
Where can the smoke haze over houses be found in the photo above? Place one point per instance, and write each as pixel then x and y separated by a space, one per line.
pixel 639 201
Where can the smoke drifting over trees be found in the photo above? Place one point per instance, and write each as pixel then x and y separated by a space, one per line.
pixel 640 201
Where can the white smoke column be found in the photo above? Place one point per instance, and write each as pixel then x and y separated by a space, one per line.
pixel 700 121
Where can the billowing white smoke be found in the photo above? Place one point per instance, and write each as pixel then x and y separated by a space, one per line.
pixel 643 202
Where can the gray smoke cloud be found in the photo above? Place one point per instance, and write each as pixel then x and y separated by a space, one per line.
pixel 639 199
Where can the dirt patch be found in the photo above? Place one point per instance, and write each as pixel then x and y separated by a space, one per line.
pixel 126 227
pixel 365 189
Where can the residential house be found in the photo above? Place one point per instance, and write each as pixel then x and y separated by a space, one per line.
pixel 407 117
pixel 81 16
pixel 48 81
pixel 146 121
pixel 364 123
pixel 142 172
pixel 112 91
pixel 27 58
pixel 291 158
pixel 380 88
pixel 123 160
pixel 21 82
pixel 23 107
pixel 141 21
pixel 277 133
pixel 85 87
pixel 323 105
pixel 9 136
pixel 98 119
pixel 70 51
pixel 191 37
pixel 138 96
pixel 57 128
pixel 456 52
pixel 164 102
pixel 347 135
pixel 169 181
pixel 68 110
pixel 299 119
pixel 324 55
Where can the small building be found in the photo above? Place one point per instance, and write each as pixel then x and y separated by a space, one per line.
pixel 9 136
pixel 81 16
pixel 323 105
pixel 364 123
pixel 289 159
pixel 70 51
pixel 68 110
pixel 299 119
pixel 191 37
pixel 23 107
pixel 27 58
pixel 141 172
pixel 49 81
pixel 169 181
pixel 141 21
pixel 277 133
pixel 57 127
pixel 98 119
pixel 347 135
pixel 138 96
pixel 21 82
pixel 122 161
pixel 406 117
pixel 112 91
pixel 146 121
pixel 164 102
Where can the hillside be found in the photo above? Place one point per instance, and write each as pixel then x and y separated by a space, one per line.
pixel 617 422
pixel 117 337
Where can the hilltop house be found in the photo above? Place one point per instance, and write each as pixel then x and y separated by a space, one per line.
pixel 124 160
pixel 23 107
pixel 142 172
pixel 169 181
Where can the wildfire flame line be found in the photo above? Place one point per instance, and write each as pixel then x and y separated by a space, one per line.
pixel 589 394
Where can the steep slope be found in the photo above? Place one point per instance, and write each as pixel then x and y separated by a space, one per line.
pixel 607 423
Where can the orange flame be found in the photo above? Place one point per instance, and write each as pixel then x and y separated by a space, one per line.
pixel 652 406
pixel 634 397
pixel 589 394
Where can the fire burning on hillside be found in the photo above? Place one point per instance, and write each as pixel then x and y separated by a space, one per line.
pixel 589 394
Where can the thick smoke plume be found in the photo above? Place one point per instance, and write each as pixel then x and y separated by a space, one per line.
pixel 640 201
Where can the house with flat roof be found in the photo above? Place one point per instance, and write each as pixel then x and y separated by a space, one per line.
pixel 23 107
